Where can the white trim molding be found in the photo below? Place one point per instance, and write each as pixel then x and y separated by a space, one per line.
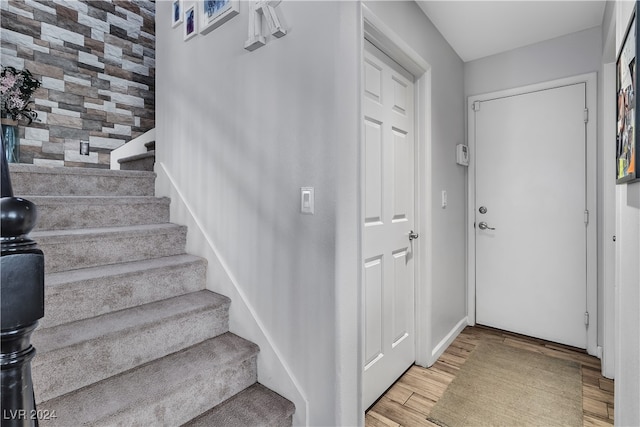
pixel 447 340
pixel 608 220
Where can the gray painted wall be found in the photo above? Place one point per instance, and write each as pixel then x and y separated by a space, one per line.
pixel 566 56
pixel 447 244
pixel 238 134
pixel 627 370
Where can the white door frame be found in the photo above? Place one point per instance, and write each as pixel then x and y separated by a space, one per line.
pixel 385 39
pixel 591 194
pixel 608 219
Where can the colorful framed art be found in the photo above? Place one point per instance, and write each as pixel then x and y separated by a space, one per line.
pixel 627 114
pixel 190 22
pixel 216 12
pixel 176 13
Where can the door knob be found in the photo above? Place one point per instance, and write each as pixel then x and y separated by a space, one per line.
pixel 483 226
pixel 413 235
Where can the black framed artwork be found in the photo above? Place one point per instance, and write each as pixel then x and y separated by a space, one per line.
pixel 627 117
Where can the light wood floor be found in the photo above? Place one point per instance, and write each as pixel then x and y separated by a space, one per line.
pixel 409 401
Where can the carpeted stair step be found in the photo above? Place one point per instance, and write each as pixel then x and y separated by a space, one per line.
pixel 130 335
pixel 78 354
pixel 81 248
pixel 255 406
pixel 150 146
pixel 138 162
pixel 60 181
pixel 166 392
pixel 88 292
pixel 64 212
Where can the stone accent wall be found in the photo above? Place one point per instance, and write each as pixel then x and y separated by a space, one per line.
pixel 96 62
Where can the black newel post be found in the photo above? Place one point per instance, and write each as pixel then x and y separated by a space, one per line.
pixel 22 304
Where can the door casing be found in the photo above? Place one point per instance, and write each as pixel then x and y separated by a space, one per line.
pixel 591 193
pixel 608 220
pixel 385 39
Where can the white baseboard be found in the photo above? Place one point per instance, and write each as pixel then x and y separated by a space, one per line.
pixel 447 340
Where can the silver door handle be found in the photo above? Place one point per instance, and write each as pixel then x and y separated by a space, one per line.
pixel 413 235
pixel 483 226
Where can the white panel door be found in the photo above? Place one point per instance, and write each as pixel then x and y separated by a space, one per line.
pixel 388 219
pixel 531 271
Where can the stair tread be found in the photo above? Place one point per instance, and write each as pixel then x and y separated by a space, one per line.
pixel 95 200
pixel 73 249
pixel 81 212
pixel 145 385
pixel 128 229
pixel 257 405
pixel 115 323
pixel 121 269
pixel 33 169
pixel 135 157
pixel 165 360
pixel 41 180
pixel 92 291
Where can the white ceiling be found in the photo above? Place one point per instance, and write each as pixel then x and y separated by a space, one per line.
pixel 476 29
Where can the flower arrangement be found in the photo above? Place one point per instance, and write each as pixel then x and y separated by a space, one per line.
pixel 16 88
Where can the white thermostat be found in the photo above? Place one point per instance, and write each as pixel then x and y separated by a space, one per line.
pixel 462 155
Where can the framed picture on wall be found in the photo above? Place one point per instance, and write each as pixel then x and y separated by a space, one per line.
pixel 627 112
pixel 216 12
pixel 176 13
pixel 190 22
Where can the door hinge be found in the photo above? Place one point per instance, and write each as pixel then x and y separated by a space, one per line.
pixel 586 115
pixel 476 106
pixel 586 217
pixel 586 318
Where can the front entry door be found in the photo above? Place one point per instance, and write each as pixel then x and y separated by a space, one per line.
pixel 388 265
pixel 530 214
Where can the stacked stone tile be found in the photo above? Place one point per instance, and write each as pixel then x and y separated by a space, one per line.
pixel 96 61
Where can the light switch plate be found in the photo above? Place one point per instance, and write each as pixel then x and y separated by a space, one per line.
pixel 462 155
pixel 307 200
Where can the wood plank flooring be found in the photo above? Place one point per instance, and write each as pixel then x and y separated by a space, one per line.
pixel 409 401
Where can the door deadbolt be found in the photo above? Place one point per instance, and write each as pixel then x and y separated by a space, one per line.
pixel 482 210
pixel 413 235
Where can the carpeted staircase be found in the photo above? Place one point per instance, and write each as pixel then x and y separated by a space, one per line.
pixel 130 336
pixel 140 162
